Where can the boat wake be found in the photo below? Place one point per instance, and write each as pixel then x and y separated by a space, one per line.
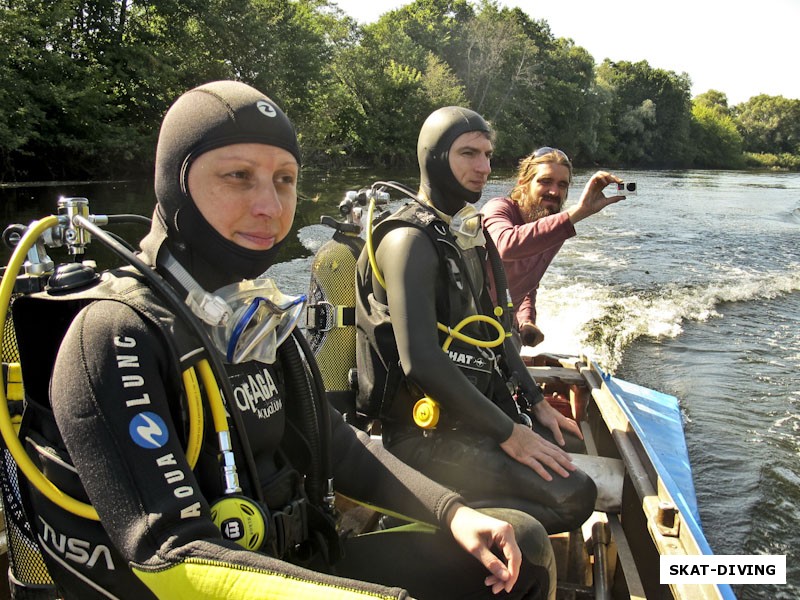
pixel 602 321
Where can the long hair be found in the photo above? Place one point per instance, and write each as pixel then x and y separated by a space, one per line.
pixel 528 168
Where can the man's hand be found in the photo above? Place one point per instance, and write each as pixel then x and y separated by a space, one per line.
pixel 551 418
pixel 592 199
pixel 478 534
pixel 530 334
pixel 531 449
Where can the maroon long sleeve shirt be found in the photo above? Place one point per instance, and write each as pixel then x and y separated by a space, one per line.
pixel 527 249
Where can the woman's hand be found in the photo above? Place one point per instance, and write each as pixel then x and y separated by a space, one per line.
pixel 478 533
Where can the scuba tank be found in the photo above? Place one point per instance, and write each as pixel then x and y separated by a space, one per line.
pixel 330 316
pixel 72 284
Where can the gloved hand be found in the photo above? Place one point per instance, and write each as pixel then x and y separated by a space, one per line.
pixel 530 334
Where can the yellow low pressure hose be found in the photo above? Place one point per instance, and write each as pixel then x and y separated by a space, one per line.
pixel 426 409
pixel 219 416
pixel 195 410
pixel 370 248
pixel 214 397
pixel 25 464
pixel 455 332
pixel 9 433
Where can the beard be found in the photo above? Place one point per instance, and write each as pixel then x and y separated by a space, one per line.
pixel 532 209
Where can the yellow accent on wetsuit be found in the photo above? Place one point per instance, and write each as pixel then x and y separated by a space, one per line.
pixel 207 580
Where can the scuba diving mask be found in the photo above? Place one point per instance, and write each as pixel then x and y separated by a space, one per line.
pixel 465 225
pixel 261 317
pixel 246 320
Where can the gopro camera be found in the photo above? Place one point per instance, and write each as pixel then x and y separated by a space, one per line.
pixel 622 189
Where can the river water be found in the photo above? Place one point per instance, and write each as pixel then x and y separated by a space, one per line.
pixel 691 287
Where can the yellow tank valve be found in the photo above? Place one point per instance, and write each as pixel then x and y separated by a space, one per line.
pixel 426 413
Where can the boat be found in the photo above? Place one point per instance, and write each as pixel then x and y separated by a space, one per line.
pixel 638 433
pixel 637 451
pixel 647 507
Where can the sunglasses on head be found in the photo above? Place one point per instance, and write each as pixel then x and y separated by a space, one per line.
pixel 547 150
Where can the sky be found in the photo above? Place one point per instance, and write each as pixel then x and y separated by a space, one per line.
pixel 740 49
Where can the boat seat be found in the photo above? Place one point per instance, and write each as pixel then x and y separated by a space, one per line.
pixel 554 375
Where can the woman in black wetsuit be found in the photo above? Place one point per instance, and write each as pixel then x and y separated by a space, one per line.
pixel 429 267
pixel 226 173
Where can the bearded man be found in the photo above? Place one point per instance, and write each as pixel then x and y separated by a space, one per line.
pixel 529 227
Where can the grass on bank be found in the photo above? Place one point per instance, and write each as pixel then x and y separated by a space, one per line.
pixel 776 162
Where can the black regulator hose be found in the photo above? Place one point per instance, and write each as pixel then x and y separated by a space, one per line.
pixel 500 282
pixel 300 389
pixel 130 218
pixel 402 188
pixel 163 288
pixel 321 399
pixel 315 418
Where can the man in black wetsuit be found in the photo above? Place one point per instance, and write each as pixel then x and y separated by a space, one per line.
pixel 427 267
pixel 226 173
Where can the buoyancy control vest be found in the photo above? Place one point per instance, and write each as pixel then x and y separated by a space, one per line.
pixel 383 390
pixel 41 321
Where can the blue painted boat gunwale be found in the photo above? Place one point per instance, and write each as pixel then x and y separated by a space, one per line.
pixel 656 420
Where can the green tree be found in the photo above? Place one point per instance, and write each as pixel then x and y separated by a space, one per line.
pixel 571 101
pixel 19 115
pixel 56 59
pixel 717 142
pixel 378 96
pixel 650 109
pixel 392 81
pixel 713 99
pixel 769 124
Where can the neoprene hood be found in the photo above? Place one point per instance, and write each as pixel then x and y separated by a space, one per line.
pixel 436 137
pixel 207 117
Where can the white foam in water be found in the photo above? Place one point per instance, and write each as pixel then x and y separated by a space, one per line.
pixel 598 321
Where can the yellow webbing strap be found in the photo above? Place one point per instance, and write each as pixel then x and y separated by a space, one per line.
pixel 14 387
pixel 207 580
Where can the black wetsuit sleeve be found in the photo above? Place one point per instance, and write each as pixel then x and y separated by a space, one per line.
pixel 365 471
pixel 114 399
pixel 410 267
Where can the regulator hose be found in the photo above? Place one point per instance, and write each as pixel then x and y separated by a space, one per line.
pixel 130 218
pixel 26 465
pixel 500 282
pixel 163 288
pixel 303 394
pixel 24 462
pixel 426 410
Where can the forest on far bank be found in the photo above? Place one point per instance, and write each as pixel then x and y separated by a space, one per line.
pixel 84 85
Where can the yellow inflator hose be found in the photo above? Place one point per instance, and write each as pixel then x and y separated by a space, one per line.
pixel 426 410
pixel 9 433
